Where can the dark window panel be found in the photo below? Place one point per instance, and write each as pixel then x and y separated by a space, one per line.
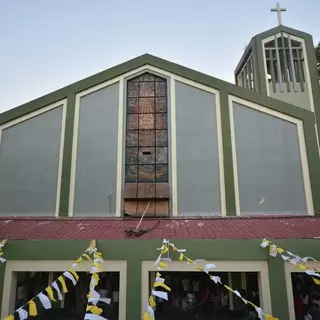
pixel 161 173
pixel 133 105
pixel 159 79
pixel 131 173
pixel 132 121
pixel 161 104
pixel 146 173
pixel 146 138
pixel 161 138
pixel 161 89
pixel 146 105
pixel 132 138
pixel 147 156
pixel 133 89
pixel 146 121
pixel 132 156
pixel 146 77
pixel 161 121
pixel 146 89
pixel 162 155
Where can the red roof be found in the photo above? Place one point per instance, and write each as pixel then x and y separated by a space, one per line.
pixel 180 228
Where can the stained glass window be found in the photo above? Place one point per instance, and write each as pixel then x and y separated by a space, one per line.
pixel 146 130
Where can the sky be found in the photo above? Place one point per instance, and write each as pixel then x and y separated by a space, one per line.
pixel 48 44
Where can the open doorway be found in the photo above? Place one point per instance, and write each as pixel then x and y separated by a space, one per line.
pixel 73 306
pixel 194 296
pixel 306 295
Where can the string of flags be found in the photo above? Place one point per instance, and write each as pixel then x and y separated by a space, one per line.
pixel 2 244
pixel 200 264
pixel 294 259
pixel 54 292
pixel 93 312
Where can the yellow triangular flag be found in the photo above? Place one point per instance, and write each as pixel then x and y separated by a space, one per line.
pixel 63 283
pixel 269 317
pixel 87 257
pixel 152 303
pixel 189 260
pixel 98 266
pixel 228 288
pixel 96 277
pixel 147 316
pixel 74 274
pixel 199 268
pixel 32 309
pixel 11 317
pixel 162 265
pixel 94 309
pixel 164 250
pixel 50 294
pixel 280 250
pixel 161 284
pixel 79 260
pixel 181 256
pixel 301 267
pixel 158 275
pixel 317 281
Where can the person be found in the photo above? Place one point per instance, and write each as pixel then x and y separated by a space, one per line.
pixel 224 303
pixel 298 306
pixel 305 301
pixel 21 297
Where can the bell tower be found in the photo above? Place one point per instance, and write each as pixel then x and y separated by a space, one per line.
pixel 281 63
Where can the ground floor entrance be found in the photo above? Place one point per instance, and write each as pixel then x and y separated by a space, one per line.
pixel 194 296
pixel 73 305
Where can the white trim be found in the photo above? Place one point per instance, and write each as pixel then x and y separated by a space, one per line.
pixel 172 78
pixel 75 138
pixel 302 148
pixel 307 71
pixel 13 266
pixel 173 131
pixel 60 103
pixel 121 141
pixel 221 266
pixel 288 270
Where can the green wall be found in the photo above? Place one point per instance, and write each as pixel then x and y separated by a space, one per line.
pixel 135 251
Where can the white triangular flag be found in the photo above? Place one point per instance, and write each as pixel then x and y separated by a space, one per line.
pixel 208 267
pixel 273 251
pixel 150 311
pixel 90 316
pixel 2 260
pixel 56 287
pixel 23 314
pixel 264 243
pixel 216 279
pixel 160 294
pixel 44 300
pixel 68 275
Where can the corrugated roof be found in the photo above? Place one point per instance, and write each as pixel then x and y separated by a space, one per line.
pixel 181 228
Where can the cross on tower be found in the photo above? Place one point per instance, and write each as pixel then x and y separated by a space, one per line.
pixel 278 10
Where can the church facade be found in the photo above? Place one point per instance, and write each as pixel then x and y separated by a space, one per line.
pixel 149 150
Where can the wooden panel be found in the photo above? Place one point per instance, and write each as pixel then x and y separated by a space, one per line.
pixel 147 190
pixel 157 208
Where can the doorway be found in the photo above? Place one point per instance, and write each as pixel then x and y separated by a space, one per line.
pixel 73 305
pixel 194 296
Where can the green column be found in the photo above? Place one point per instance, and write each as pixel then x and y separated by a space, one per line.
pixel 278 290
pixel 2 270
pixel 133 289
pixel 67 155
pixel 227 153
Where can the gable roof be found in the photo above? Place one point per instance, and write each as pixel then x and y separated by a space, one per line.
pixel 147 59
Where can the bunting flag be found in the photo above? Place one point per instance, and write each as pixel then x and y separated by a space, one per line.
pixel 53 293
pixel 93 311
pixel 2 244
pixel 294 259
pixel 200 265
pixel 160 264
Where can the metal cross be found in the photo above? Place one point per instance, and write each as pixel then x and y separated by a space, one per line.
pixel 278 10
